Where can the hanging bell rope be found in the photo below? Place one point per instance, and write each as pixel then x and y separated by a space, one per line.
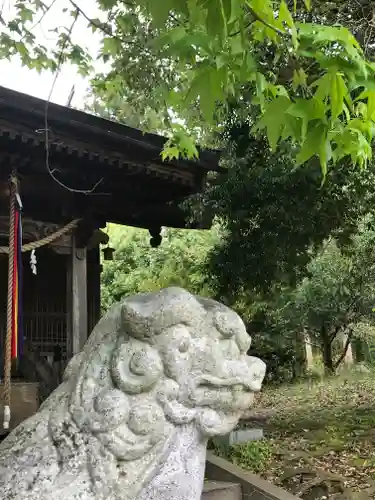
pixel 13 343
pixel 8 340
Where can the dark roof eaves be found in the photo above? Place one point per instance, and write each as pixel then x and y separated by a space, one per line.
pixel 71 118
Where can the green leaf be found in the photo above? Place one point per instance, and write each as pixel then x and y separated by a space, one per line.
pixel 221 60
pixel 187 146
pixel 307 4
pixel 273 120
pixel 235 10
pixel 338 93
pixel 315 143
pixel 170 153
pixel 370 96
pixel 25 14
pixel 160 11
pixel 207 85
pixel 285 15
pixel 111 46
pixel 21 49
pixel 215 18
pixel 324 86
pixel 299 78
pixel 311 109
pixel 236 45
pixel 15 26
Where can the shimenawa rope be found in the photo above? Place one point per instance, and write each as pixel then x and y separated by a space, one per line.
pixel 33 245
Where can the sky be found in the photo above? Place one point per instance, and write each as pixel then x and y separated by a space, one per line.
pixel 14 76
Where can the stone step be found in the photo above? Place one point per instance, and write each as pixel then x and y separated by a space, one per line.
pixel 218 490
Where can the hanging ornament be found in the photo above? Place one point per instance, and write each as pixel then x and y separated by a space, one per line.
pixel 17 303
pixel 33 262
pixel 108 253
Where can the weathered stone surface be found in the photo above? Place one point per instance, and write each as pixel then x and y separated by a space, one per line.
pixel 241 436
pixel 160 374
pixel 214 490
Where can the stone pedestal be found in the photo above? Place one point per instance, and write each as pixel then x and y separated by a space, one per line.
pixel 24 402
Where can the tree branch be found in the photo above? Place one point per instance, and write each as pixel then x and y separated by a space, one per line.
pixel 94 23
pixel 49 7
pixel 105 29
pixel 347 318
pixel 263 21
pixel 257 17
pixel 333 334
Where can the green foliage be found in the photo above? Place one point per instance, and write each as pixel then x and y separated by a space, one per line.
pixel 340 287
pixel 137 268
pixel 337 297
pixel 253 455
pixel 17 38
pixel 273 214
pixel 191 59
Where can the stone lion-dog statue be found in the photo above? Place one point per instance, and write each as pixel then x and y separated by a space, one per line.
pixel 160 374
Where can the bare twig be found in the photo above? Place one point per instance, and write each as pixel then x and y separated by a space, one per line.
pixel 106 29
pixel 93 22
pixel 42 16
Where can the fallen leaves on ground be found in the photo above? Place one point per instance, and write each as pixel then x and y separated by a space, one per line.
pixel 325 433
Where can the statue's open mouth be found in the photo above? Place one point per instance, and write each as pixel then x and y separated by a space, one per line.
pixel 223 393
pixel 233 383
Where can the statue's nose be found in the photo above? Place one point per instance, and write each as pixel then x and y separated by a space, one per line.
pixel 256 371
pixel 249 372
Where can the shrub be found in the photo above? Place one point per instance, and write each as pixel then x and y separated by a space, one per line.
pixel 253 455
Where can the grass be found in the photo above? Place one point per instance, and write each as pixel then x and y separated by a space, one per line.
pixel 317 430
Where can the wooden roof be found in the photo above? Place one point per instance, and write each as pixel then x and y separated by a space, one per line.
pixel 133 185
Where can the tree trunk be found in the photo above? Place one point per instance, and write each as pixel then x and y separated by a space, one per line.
pixel 327 351
pixel 308 351
pixel 347 349
pixel 347 345
pixel 299 364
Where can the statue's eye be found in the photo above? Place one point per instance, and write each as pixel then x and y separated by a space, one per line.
pixel 225 324
pixel 184 346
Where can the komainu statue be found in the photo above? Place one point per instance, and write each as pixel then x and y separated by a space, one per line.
pixel 160 374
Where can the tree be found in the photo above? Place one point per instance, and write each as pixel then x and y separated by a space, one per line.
pixel 275 216
pixel 137 268
pixel 334 302
pixel 338 296
pixel 205 53
pixel 357 15
pixel 125 112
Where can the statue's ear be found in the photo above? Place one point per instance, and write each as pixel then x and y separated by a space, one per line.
pixel 230 325
pixel 134 321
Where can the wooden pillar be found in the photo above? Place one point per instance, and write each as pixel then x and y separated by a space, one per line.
pixel 77 298
pixel 93 287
